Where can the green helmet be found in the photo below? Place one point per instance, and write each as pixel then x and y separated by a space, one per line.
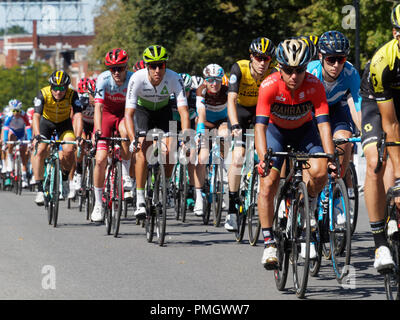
pixel 155 53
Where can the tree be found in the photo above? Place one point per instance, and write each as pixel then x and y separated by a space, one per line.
pixel 13 30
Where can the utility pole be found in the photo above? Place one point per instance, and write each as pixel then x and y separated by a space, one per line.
pixel 356 4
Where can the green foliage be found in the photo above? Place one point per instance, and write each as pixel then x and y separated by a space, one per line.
pixel 22 82
pixel 196 33
pixel 13 30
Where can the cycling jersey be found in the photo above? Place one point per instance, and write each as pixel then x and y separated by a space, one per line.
pixel 142 93
pixel 110 94
pixel 215 104
pixel 56 111
pixel 242 82
pixel 191 100
pixel 384 72
pixel 87 109
pixel 17 124
pixel 348 80
pixel 276 104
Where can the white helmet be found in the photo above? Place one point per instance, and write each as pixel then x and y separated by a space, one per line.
pixel 213 70
pixel 197 81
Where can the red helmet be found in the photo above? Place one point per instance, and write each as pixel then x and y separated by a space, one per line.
pixel 116 57
pixel 139 65
pixel 87 85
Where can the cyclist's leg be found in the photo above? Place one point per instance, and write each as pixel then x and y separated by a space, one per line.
pixel 126 157
pixel 10 150
pixel 374 190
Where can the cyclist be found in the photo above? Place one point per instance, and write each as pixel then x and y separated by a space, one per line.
pixel 197 81
pixel 53 112
pixel 211 106
pixel 380 111
pixel 245 79
pixel 284 116
pixel 86 91
pixel 338 77
pixel 139 65
pixel 147 107
pixel 111 89
pixel 15 125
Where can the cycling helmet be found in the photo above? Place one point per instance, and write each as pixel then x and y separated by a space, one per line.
pixel 334 43
pixel 262 46
pixel 187 80
pixel 6 111
pixel 311 44
pixel 155 53
pixel 293 53
pixel 59 78
pixel 30 111
pixel 213 70
pixel 139 65
pixel 197 81
pixel 395 17
pixel 15 105
pixel 116 57
pixel 86 85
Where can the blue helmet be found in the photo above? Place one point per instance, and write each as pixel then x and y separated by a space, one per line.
pixel 334 43
pixel 293 53
pixel 15 104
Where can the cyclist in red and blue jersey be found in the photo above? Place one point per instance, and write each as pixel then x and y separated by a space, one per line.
pixel 284 117
pixel 16 127
pixel 110 96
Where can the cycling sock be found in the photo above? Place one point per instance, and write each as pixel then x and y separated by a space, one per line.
pixel 232 201
pixel 79 168
pixel 268 236
pixel 199 196
pixel 40 185
pixel 378 232
pixel 125 167
pixel 65 175
pixel 139 197
pixel 98 194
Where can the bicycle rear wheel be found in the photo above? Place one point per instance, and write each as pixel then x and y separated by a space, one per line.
pixel 340 236
pixel 160 197
pixel 301 234
pixel 117 198
pixel 207 197
pixel 175 189
pixel 279 230
pixel 392 277
pixel 107 201
pixel 254 225
pixel 88 190
pixel 353 197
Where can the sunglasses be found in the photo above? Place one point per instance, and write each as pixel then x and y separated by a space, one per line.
pixel 213 79
pixel 16 111
pixel 291 70
pixel 154 66
pixel 119 69
pixel 262 58
pixel 58 88
pixel 333 59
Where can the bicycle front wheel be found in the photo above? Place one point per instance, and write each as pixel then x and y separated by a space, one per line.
pixel 183 187
pixel 56 172
pixel 352 184
pixel 340 234
pixel 160 200
pixel 301 234
pixel 117 198
pixel 254 225
pixel 217 195
pixel 392 277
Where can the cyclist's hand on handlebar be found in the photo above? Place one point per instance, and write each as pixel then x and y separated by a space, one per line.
pixel 332 169
pixel 263 168
pixel 236 130
pixel 134 146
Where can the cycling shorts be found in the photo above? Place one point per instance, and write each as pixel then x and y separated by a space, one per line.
pixel 246 117
pixel 340 117
pixel 305 139
pixel 64 129
pixel 146 119
pixel 371 123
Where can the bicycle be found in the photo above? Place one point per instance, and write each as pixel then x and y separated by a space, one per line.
pixel 291 224
pixel 213 183
pixel 16 174
pixel 392 226
pixel 113 191
pixel 249 187
pixel 333 205
pixel 351 182
pixel 52 183
pixel 86 191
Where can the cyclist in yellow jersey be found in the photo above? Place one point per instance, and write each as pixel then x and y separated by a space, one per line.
pixel 53 112
pixel 245 79
pixel 380 111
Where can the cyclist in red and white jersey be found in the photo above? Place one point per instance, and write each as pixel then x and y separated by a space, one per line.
pixel 111 89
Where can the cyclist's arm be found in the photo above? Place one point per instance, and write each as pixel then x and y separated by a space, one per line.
pixel 184 115
pixel 232 111
pixel 35 124
pixel 233 89
pixel 129 124
pixel 39 105
pixel 325 132
pixel 355 115
pixel 77 115
pixel 260 139
pixel 6 128
pixel 391 126
pixel 98 110
pixel 182 104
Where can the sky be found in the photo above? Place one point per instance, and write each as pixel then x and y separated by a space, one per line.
pixel 49 13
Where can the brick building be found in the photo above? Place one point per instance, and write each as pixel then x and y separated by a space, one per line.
pixel 67 51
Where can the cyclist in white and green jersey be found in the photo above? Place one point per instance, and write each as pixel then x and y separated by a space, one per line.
pixel 147 107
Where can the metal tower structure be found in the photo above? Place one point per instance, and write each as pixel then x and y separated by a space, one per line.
pixel 54 17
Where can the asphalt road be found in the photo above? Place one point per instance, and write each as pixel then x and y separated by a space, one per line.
pixel 77 260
